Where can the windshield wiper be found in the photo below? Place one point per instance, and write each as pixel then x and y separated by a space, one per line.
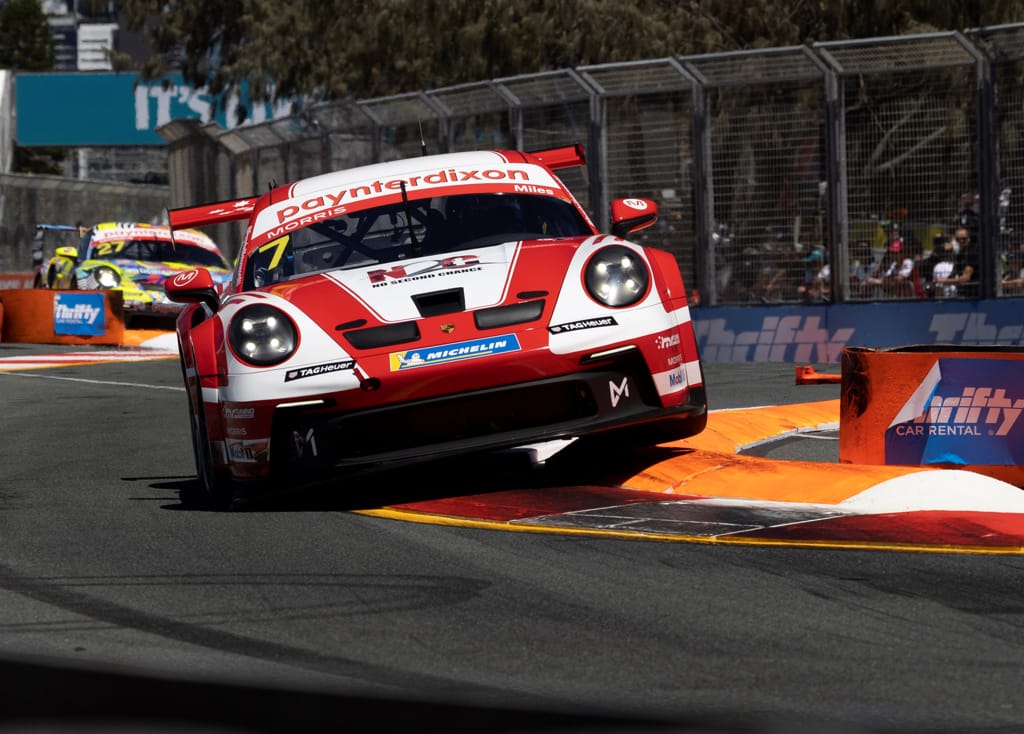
pixel 415 243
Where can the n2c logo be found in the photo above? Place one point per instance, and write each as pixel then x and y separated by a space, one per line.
pixel 400 272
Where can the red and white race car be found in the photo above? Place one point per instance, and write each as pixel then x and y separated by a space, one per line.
pixel 419 308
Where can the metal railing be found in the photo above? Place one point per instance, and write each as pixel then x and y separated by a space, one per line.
pixel 782 174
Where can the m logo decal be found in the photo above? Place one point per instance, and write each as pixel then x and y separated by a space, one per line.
pixel 617 391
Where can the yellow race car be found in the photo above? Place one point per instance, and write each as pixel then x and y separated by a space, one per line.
pixel 135 258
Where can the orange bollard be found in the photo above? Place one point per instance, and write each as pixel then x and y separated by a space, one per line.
pixel 807 375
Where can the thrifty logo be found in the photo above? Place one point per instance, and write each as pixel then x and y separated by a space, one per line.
pixel 80 313
pixel 962 415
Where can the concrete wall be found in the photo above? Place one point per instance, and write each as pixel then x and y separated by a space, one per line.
pixel 27 200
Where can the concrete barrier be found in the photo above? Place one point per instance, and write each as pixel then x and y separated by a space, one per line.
pixel 945 407
pixel 41 316
pixel 10 281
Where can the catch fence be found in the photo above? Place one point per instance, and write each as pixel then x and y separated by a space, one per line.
pixel 801 174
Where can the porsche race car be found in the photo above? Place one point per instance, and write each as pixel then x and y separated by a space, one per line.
pixel 421 308
pixel 135 258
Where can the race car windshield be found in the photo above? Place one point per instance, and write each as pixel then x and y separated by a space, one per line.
pixel 157 251
pixel 410 229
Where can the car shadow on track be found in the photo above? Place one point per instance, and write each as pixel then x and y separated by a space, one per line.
pixel 582 463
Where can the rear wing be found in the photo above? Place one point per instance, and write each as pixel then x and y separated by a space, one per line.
pixel 553 158
pixel 217 212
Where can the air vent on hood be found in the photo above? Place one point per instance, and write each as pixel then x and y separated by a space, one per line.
pixel 499 316
pixel 439 303
pixel 383 336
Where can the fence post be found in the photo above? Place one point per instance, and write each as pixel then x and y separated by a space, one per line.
pixel 703 195
pixel 990 275
pixel 836 183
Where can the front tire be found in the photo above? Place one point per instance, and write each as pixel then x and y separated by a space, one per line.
pixel 215 482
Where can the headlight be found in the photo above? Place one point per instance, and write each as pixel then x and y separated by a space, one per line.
pixel 262 335
pixel 616 276
pixel 106 277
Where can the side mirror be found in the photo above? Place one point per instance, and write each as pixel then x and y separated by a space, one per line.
pixel 193 286
pixel 67 251
pixel 632 215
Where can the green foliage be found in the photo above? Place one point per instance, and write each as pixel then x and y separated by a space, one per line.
pixel 25 40
pixel 331 49
pixel 45 160
pixel 27 45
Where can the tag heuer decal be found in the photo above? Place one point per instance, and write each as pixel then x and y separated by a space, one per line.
pixel 319 369
pixel 583 324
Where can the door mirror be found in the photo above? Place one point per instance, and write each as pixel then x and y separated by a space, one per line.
pixel 632 215
pixel 193 286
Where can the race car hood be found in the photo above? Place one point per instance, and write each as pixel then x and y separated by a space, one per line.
pixel 396 291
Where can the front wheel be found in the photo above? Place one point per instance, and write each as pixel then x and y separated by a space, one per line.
pixel 216 483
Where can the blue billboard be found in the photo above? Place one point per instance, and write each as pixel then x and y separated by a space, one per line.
pixel 108 108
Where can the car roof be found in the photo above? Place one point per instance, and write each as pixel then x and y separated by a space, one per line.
pixel 115 231
pixel 379 183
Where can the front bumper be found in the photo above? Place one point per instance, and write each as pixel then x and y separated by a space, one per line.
pixel 618 394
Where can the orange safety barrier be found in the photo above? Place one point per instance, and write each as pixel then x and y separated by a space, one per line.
pixel 29 315
pixel 950 407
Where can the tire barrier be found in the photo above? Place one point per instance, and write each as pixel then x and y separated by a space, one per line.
pixel 42 316
pixel 950 407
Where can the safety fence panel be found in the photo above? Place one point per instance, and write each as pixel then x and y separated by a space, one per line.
pixel 348 135
pixel 478 117
pixel 404 123
pixel 765 116
pixel 910 110
pixel 549 111
pixel 645 122
pixel 1004 48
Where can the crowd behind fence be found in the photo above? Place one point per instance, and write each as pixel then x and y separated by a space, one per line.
pixel 838 172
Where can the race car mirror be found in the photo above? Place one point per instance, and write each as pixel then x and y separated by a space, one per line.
pixel 193 286
pixel 632 215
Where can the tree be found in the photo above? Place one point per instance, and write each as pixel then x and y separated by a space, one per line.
pixel 331 49
pixel 26 44
pixel 25 40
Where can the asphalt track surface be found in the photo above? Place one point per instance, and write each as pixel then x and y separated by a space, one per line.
pixel 111 566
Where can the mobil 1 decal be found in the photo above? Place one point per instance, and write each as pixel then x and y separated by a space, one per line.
pixel 965 411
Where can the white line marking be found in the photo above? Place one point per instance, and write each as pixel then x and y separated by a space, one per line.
pixel 93 382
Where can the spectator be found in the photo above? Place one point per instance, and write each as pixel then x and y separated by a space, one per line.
pixel 965 271
pixel 865 271
pixel 902 276
pixel 816 284
pixel 945 264
pixel 1013 271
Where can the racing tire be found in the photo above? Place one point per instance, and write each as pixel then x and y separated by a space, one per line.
pixel 215 483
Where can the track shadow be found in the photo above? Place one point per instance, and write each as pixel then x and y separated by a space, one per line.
pixel 582 463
